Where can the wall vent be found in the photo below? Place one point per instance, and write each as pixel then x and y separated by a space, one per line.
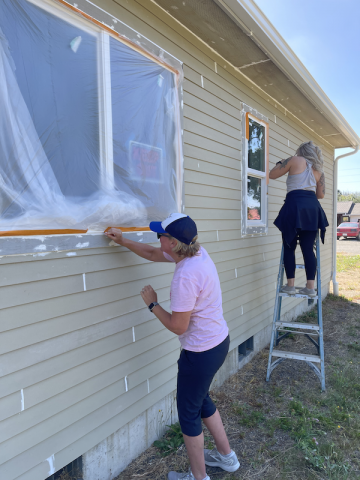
pixel 245 348
pixel 72 471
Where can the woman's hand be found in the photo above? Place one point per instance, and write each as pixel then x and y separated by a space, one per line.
pixel 149 295
pixel 116 235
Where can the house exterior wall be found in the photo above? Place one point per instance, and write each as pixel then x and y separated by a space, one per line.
pixel 65 352
pixel 355 217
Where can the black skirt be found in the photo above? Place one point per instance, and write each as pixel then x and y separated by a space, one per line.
pixel 301 211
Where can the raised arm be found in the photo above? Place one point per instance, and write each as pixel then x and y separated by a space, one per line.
pixel 320 186
pixel 280 169
pixel 142 249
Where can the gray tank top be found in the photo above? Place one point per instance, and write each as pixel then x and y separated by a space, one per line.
pixel 302 181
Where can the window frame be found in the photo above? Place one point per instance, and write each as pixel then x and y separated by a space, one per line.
pixel 74 16
pixel 254 227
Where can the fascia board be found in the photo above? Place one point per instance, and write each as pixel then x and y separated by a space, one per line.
pixel 247 15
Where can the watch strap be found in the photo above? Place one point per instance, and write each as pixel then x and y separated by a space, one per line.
pixel 152 305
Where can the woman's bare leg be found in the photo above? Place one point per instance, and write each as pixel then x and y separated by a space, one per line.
pixel 216 428
pixel 195 450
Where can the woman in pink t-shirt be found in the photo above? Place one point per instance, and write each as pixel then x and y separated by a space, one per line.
pixel 197 318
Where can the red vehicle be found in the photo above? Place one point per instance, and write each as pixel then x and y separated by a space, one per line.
pixel 349 230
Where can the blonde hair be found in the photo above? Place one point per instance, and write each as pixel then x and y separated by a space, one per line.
pixel 184 250
pixel 312 153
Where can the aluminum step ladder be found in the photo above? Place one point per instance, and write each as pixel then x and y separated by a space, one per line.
pixel 311 330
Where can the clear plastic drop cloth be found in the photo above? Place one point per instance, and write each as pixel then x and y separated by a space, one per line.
pixel 89 127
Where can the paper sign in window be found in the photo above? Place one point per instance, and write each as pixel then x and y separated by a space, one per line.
pixel 145 163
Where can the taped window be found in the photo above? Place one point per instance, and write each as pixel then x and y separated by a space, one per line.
pixel 255 166
pixel 90 129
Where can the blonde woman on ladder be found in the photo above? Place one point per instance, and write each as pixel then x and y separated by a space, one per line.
pixel 301 216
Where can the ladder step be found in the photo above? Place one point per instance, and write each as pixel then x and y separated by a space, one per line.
pixel 300 266
pixel 306 326
pixel 297 295
pixel 296 356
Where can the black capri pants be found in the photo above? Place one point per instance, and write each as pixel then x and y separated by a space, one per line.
pixel 196 371
pixel 306 240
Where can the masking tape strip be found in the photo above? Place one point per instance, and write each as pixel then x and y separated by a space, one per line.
pixel 247 134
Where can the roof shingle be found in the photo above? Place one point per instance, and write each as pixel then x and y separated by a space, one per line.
pixel 344 207
pixel 356 209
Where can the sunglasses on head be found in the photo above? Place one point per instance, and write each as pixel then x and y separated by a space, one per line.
pixel 162 235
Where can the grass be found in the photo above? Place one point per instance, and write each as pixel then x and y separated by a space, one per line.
pixel 172 440
pixel 348 268
pixel 323 428
pixel 287 429
pixel 345 263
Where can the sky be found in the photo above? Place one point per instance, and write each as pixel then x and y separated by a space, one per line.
pixel 324 34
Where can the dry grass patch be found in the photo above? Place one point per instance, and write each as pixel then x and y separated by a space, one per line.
pixel 348 267
pixel 287 429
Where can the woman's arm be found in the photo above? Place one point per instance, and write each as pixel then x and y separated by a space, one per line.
pixel 320 186
pixel 142 249
pixel 280 169
pixel 176 322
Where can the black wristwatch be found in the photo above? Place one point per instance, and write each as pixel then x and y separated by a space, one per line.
pixel 277 163
pixel 152 305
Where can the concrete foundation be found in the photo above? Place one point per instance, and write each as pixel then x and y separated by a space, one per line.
pixel 113 455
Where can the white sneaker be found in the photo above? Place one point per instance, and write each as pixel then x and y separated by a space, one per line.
pixel 183 476
pixel 228 463
pixel 288 290
pixel 310 292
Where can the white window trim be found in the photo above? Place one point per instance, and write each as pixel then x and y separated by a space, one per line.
pixel 253 227
pixel 105 112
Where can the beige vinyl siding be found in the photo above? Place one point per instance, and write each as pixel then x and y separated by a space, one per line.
pixel 69 350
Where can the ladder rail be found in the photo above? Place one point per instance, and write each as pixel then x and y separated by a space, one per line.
pixel 319 311
pixel 277 310
pixel 279 326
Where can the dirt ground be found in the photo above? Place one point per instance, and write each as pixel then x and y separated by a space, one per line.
pixel 264 452
pixel 265 429
pixel 255 412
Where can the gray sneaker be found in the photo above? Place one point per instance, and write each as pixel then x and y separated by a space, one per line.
pixel 183 476
pixel 310 292
pixel 288 290
pixel 228 463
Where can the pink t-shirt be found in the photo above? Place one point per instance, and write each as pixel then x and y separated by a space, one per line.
pixel 195 287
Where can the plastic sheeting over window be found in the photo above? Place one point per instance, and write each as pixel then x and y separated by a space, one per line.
pixel 89 127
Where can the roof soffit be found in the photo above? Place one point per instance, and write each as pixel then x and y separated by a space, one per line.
pixel 235 43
